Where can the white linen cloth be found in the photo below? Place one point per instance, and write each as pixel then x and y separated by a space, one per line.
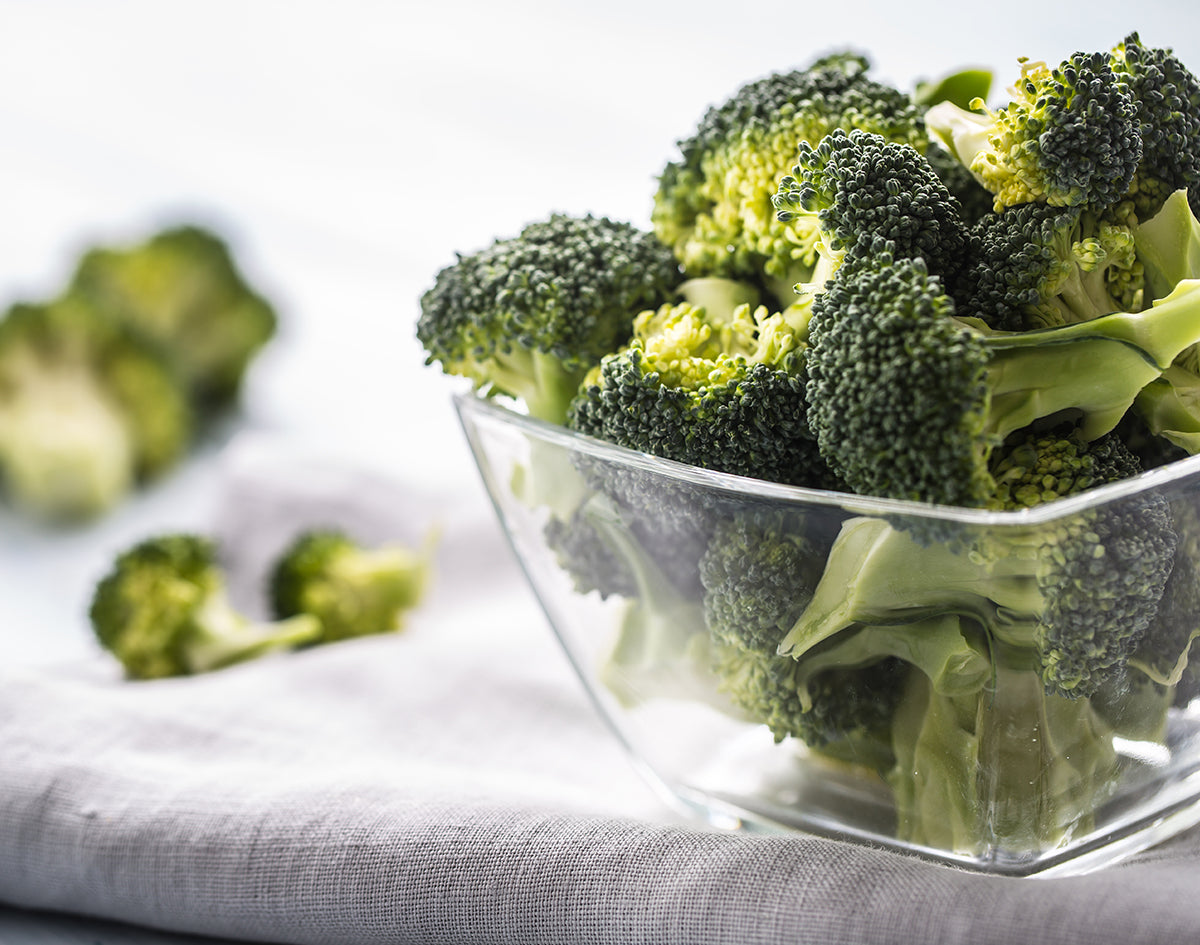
pixel 448 784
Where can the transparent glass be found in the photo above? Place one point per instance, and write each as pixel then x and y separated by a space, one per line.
pixel 931 629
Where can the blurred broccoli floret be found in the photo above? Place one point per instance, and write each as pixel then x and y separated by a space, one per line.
pixel 163 610
pixel 713 204
pixel 182 289
pixel 528 316
pixel 88 410
pixel 353 590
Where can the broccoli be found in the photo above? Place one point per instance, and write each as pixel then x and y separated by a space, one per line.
pixel 528 316
pixel 1037 265
pixel 183 289
pixel 713 204
pixel 862 194
pixel 351 589
pixel 907 401
pixel 163 610
pixel 1069 136
pixel 88 410
pixel 715 392
pixel 1166 98
pixel 1080 591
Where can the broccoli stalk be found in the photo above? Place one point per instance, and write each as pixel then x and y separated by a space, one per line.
pixel 351 589
pixel 163 610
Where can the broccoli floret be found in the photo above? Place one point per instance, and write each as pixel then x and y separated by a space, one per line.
pixel 183 289
pixel 1037 265
pixel 528 316
pixel 1166 98
pixel 697 388
pixel 1068 137
pixel 163 610
pixel 863 192
pixel 1079 591
pixel 352 589
pixel 713 204
pixel 907 401
pixel 88 410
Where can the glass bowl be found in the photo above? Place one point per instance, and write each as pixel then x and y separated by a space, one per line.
pixel 894 689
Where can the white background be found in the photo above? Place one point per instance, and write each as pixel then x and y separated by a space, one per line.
pixel 349 148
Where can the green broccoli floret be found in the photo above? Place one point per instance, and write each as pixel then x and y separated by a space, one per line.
pixel 710 391
pixel 88 410
pixel 183 289
pixel 163 610
pixel 1068 136
pixel 352 589
pixel 907 401
pixel 1079 591
pixel 713 204
pixel 528 316
pixel 862 193
pixel 1166 98
pixel 1037 265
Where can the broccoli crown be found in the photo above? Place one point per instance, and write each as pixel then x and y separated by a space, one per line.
pixel 897 389
pixel 162 611
pixel 1068 136
pixel 865 191
pixel 836 706
pixel 713 205
pixel 698 389
pixel 1166 97
pixel 351 589
pixel 1101 572
pixel 1037 265
pixel 758 574
pixel 88 409
pixel 182 288
pixel 529 315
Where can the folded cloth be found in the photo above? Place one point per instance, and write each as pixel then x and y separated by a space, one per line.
pixel 449 784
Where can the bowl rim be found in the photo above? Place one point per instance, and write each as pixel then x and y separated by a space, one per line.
pixel 479 404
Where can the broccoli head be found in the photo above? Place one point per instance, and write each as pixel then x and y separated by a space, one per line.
pixel 88 410
pixel 183 289
pixel 163 610
pixel 351 589
pixel 1069 136
pixel 528 316
pixel 713 204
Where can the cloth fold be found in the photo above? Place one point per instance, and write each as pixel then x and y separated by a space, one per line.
pixel 451 783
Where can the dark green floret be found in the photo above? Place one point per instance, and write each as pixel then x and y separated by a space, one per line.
pixel 713 204
pixel 353 590
pixel 163 610
pixel 529 315
pixel 907 400
pixel 183 289
pixel 1069 136
pixel 88 410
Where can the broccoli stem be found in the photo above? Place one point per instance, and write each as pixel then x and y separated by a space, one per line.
pixel 1170 407
pixel 223 636
pixel 1168 246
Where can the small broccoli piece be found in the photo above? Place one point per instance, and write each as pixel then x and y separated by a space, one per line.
pixel 163 610
pixel 713 204
pixel 698 388
pixel 1166 98
pixel 907 401
pixel 1068 137
pixel 528 316
pixel 862 192
pixel 589 560
pixel 353 590
pixel 88 410
pixel 183 289
pixel 1037 266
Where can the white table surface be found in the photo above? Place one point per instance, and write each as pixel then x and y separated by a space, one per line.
pixel 348 149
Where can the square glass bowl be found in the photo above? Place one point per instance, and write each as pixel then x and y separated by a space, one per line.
pixel 782 658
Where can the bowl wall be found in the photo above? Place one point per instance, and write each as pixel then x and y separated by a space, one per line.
pixel 896 677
